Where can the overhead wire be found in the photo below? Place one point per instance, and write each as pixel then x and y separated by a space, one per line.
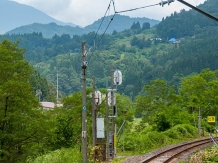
pixel 117 12
pixel 133 9
pixel 114 6
pixel 112 18
pixel 108 8
pixel 199 10
pixel 105 31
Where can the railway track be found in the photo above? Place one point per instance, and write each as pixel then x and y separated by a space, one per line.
pixel 173 153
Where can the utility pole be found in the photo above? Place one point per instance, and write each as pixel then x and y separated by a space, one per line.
pixel 199 121
pixel 107 128
pixel 84 110
pixel 113 111
pixel 93 114
pixel 57 87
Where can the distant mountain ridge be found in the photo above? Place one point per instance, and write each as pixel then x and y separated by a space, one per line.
pixel 18 18
pixel 13 15
pixel 120 23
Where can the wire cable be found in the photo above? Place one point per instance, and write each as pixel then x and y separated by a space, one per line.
pixel 105 31
pixel 114 6
pixel 102 19
pixel 136 8
pixel 115 12
pixel 199 10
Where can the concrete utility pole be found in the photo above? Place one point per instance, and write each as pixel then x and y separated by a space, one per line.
pixel 84 111
pixel 199 122
pixel 113 111
pixel 57 88
pixel 107 128
pixel 93 114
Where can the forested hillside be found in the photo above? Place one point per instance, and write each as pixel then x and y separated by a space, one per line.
pixel 188 23
pixel 141 53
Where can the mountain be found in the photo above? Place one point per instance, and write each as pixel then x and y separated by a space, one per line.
pixel 13 14
pixel 141 54
pixel 119 23
pixel 189 23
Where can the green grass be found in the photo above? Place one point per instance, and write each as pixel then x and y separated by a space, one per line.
pixel 63 155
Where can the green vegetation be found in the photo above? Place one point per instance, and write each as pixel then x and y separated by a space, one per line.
pixel 29 133
pixel 59 156
pixel 209 155
pixel 21 120
pixel 147 139
pixel 164 85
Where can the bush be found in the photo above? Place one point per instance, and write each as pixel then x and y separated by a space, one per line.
pixel 59 156
pixel 148 140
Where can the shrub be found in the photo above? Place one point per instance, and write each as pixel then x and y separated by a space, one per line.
pixel 68 155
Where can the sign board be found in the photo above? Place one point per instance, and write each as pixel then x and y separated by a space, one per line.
pixel 211 119
pixel 115 140
pixel 111 99
pixel 117 77
pixel 100 128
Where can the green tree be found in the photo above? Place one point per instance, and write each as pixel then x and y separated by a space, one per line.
pixel 199 91
pixel 20 117
pixel 146 25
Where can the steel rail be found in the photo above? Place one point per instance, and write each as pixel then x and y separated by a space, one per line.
pixel 173 152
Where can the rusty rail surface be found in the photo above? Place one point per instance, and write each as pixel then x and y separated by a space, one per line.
pixel 175 153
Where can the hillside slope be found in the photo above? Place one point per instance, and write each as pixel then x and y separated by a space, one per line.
pixel 188 23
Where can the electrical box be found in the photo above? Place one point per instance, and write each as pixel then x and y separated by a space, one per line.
pixel 100 128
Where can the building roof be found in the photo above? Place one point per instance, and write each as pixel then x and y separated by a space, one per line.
pixel 50 105
pixel 172 40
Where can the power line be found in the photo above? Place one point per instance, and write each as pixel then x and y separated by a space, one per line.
pixel 115 12
pixel 199 10
pixel 114 6
pixel 136 8
pixel 105 31
pixel 102 20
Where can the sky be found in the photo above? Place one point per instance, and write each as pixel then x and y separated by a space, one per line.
pixel 85 12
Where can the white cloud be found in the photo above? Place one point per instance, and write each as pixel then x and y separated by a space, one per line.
pixel 85 12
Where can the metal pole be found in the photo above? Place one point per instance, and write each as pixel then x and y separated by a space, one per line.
pixel 93 114
pixel 84 113
pixel 199 122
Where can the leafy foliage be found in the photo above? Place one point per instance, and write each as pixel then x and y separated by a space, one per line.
pixel 187 23
pixel 67 155
pixel 143 141
pixel 20 116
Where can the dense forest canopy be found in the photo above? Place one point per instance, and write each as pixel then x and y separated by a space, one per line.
pixel 163 82
pixel 142 53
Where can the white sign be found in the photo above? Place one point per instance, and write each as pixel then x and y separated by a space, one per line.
pixel 100 128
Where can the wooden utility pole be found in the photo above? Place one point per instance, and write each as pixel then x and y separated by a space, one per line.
pixel 84 110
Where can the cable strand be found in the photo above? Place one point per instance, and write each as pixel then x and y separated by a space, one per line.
pixel 136 8
pixel 102 19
